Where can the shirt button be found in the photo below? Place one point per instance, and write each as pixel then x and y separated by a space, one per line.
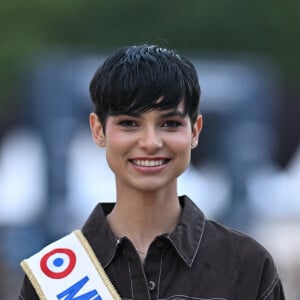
pixel 151 285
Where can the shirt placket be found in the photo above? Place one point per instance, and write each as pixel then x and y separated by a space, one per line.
pixel 153 267
pixel 145 278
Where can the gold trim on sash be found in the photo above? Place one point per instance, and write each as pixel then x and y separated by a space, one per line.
pixel 97 265
pixel 33 280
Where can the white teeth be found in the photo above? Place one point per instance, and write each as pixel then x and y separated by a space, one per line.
pixel 148 163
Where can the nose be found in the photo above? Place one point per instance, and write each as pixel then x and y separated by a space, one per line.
pixel 150 140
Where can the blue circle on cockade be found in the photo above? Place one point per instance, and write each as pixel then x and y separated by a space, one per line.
pixel 58 262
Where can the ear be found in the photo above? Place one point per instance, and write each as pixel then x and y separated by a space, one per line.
pixel 97 130
pixel 197 127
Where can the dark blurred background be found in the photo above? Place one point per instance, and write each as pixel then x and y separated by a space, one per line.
pixel 245 172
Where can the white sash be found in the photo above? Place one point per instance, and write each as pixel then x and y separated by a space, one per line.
pixel 68 269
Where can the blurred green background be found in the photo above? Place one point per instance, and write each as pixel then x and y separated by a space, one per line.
pixel 270 28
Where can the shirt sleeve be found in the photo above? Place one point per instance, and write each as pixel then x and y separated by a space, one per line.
pixel 275 292
pixel 27 291
pixel 270 283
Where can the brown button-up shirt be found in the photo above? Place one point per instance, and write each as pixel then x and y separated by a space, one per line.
pixel 200 259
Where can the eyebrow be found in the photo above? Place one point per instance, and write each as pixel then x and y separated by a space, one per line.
pixel 173 113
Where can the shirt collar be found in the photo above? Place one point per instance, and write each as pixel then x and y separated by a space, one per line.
pixel 185 238
pixel 187 235
pixel 99 235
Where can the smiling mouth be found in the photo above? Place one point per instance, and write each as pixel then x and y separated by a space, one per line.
pixel 149 163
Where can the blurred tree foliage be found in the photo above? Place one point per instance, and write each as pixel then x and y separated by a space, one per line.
pixel 32 26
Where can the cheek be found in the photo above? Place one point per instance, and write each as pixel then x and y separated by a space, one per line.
pixel 115 142
pixel 181 147
pixel 181 142
pixel 117 147
pixel 115 139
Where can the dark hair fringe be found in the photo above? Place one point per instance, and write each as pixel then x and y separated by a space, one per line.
pixel 134 78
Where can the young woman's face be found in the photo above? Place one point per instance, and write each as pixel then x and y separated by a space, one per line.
pixel 149 151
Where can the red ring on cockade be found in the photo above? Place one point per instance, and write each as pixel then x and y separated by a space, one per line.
pixel 66 271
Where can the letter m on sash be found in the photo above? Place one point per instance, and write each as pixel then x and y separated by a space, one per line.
pixel 72 291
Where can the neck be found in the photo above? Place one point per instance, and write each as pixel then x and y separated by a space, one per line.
pixel 143 217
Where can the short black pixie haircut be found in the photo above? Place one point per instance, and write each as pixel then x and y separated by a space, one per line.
pixel 133 79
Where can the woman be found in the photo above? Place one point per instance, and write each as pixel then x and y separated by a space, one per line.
pixel 152 243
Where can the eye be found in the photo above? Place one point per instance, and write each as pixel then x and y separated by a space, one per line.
pixel 128 123
pixel 171 123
